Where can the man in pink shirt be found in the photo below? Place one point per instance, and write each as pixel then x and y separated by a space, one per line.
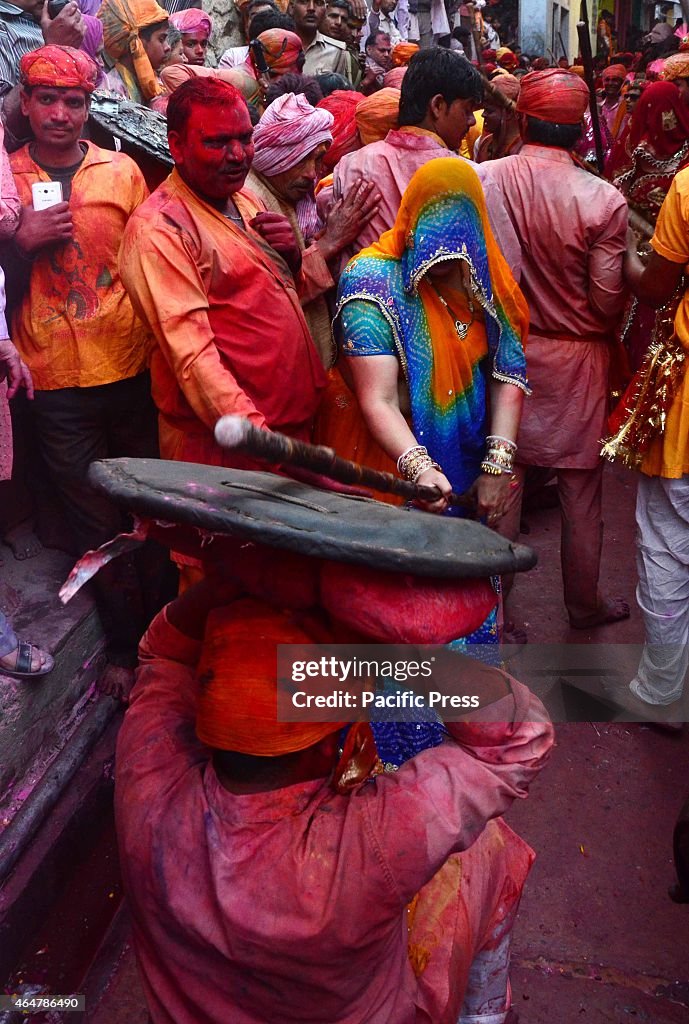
pixel 439 94
pixel 262 892
pixel 573 230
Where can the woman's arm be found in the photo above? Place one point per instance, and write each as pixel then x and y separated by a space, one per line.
pixel 375 372
pixel 491 492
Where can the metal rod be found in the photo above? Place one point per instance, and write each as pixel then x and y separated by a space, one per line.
pixel 239 434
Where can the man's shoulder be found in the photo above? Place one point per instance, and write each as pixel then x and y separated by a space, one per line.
pixel 162 210
pixel 21 162
pixel 329 41
pixel 364 157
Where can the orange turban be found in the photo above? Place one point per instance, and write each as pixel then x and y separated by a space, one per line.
pixel 281 50
pixel 237 705
pixel 676 67
pixel 553 95
pixel 377 115
pixel 403 53
pixel 61 67
pixel 122 22
pixel 615 71
pixel 578 69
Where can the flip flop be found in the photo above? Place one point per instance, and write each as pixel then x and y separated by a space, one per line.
pixel 22 666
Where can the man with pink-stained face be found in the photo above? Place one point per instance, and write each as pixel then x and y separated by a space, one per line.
pixel 212 274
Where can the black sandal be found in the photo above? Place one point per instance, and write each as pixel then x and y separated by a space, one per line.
pixel 22 666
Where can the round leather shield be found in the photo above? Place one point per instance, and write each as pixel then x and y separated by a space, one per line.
pixel 285 513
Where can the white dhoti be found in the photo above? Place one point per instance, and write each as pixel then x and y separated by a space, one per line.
pixel 662 516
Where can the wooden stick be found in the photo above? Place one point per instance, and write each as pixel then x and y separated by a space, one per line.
pixel 498 98
pixel 587 58
pixel 239 434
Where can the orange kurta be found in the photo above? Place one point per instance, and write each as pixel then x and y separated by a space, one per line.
pixel 76 326
pixel 668 455
pixel 230 336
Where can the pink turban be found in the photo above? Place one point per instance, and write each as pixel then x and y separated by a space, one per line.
pixel 508 85
pixel 288 131
pixel 191 21
pixel 553 95
pixel 393 79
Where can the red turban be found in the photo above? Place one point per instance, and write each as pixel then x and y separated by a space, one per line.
pixel 237 704
pixel 614 71
pixel 489 55
pixel 506 58
pixel 342 104
pixel 553 95
pixel 61 67
pixel 403 53
pixel 396 608
pixel 192 20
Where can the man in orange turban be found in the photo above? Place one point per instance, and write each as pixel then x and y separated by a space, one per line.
pixel 92 395
pixel 572 281
pixel 613 79
pixel 264 873
pixel 135 39
pixel 377 115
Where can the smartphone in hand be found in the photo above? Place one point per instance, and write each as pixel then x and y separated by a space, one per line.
pixel 45 194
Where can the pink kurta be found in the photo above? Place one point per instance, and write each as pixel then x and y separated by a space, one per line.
pixel 392 163
pixel 290 906
pixel 573 230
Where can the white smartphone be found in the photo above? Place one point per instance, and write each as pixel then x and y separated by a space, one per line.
pixel 45 194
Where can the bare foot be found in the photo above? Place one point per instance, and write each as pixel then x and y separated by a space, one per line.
pixel 613 609
pixel 23 541
pixel 116 682
pixel 512 634
pixel 26 661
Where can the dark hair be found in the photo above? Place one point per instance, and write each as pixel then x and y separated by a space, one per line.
pixel 329 81
pixel 339 3
pixel 436 72
pixel 173 36
pixel 305 84
pixel 207 92
pixel 549 133
pixel 146 33
pixel 265 20
pixel 259 3
pixel 371 41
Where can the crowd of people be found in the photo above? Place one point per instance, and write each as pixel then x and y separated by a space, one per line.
pixel 383 233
